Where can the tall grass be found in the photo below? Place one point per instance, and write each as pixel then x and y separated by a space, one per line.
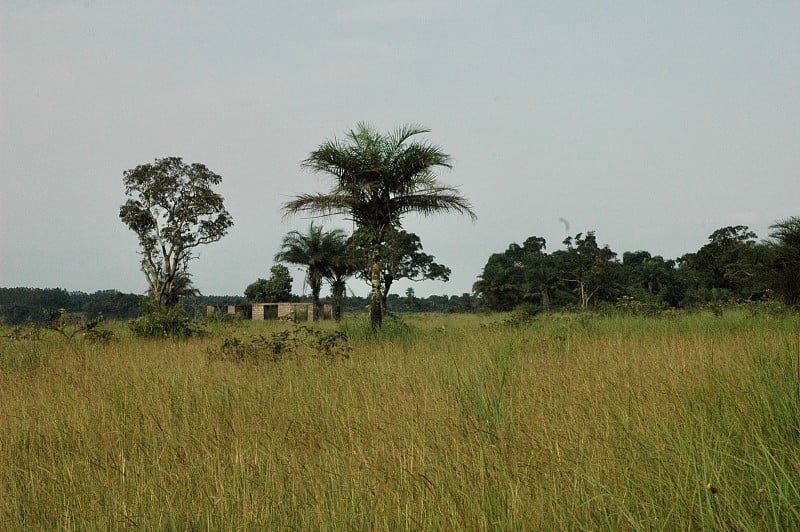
pixel 441 422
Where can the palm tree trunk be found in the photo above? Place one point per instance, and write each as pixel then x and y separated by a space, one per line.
pixel 338 303
pixel 387 284
pixel 316 288
pixel 376 303
pixel 338 288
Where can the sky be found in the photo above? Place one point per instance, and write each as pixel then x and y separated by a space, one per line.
pixel 651 123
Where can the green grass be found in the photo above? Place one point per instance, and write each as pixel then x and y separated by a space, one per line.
pixel 572 421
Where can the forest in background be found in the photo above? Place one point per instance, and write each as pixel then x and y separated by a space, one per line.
pixel 733 267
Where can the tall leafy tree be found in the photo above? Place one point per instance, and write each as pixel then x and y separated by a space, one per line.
pixel 401 257
pixel 591 269
pixel 727 256
pixel 316 249
pixel 173 209
pixel 273 290
pixel 729 266
pixel 500 284
pixel 540 275
pixel 378 178
pixel 650 278
pixel 518 275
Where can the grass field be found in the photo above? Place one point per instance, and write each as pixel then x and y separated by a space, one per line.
pixel 449 422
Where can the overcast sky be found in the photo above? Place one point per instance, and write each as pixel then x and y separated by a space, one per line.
pixel 652 123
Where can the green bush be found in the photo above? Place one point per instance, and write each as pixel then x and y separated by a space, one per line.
pixel 164 323
pixel 295 343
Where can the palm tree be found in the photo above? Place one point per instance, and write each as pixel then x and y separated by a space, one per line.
pixel 315 249
pixel 181 286
pixel 341 268
pixel 786 245
pixel 378 178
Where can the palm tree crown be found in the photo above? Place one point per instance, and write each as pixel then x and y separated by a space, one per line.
pixel 342 266
pixel 378 178
pixel 316 249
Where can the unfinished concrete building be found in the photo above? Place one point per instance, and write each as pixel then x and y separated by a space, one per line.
pixel 273 311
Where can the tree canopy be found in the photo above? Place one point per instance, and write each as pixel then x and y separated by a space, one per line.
pixel 173 209
pixel 316 249
pixel 273 290
pixel 401 257
pixel 786 245
pixel 733 266
pixel 377 179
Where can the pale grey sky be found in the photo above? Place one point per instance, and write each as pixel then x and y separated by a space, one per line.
pixel 652 123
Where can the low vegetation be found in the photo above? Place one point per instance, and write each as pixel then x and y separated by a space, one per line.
pixel 671 421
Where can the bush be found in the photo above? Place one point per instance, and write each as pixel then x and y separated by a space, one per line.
pixel 295 343
pixel 523 314
pixel 633 306
pixel 164 323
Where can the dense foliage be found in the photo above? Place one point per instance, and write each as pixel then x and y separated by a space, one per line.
pixel 732 267
pixel 410 303
pixel 277 288
pixel 400 256
pixel 34 305
pixel 161 322
pixel 319 251
pixel 173 209
pixel 786 259
pixel 377 179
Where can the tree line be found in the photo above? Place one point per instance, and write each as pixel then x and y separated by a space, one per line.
pixel 39 305
pixel 333 257
pixel 733 266
pixel 375 180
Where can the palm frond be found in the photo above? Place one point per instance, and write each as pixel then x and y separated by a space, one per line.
pixel 405 132
pixel 380 177
pixel 319 204
pixel 433 201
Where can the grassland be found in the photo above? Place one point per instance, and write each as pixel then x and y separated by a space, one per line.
pixel 687 421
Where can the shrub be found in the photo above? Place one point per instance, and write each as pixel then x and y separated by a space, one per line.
pixel 164 323
pixel 523 314
pixel 633 306
pixel 295 343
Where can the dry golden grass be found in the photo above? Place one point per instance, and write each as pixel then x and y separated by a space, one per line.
pixel 454 422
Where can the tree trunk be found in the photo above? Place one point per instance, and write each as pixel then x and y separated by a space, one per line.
pixel 376 303
pixel 316 308
pixel 163 294
pixel 387 284
pixel 169 296
pixel 584 297
pixel 545 301
pixel 338 290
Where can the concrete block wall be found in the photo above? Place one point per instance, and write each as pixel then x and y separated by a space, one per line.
pixel 265 311
pixel 271 311
pixel 244 310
